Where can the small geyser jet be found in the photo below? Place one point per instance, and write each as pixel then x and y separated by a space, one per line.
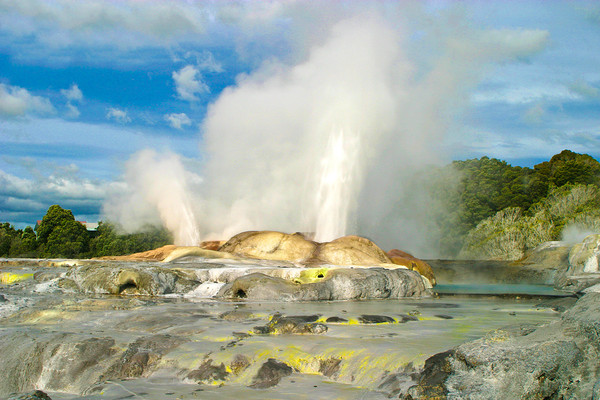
pixel 337 183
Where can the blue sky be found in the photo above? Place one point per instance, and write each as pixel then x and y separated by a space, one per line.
pixel 84 85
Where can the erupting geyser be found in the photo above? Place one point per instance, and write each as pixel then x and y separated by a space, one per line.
pixel 337 184
pixel 157 184
pixel 326 139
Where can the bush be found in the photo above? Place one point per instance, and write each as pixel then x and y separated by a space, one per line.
pixel 510 233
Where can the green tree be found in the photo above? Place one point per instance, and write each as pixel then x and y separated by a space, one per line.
pixel 24 244
pixel 111 242
pixel 60 235
pixel 7 234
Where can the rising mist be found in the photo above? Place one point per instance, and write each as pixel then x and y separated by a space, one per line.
pixel 328 144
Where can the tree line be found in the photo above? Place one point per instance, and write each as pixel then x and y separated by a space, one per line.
pixel 558 192
pixel 59 235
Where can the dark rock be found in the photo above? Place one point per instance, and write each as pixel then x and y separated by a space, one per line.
pixel 335 319
pixel 375 319
pixel 396 383
pixel 142 355
pixel 208 373
pixel 270 373
pixel 431 383
pixel 3 299
pixel 330 366
pixel 559 304
pixel 239 363
pixel 407 318
pixel 261 330
pixel 280 324
pixel 35 395
pixel 444 316
pixel 303 318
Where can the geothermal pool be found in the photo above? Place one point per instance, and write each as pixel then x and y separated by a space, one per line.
pixel 82 346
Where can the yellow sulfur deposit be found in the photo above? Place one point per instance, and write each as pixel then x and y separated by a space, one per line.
pixel 8 278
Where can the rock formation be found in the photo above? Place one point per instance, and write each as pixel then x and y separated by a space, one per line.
pixel 400 257
pixel 270 245
pixel 555 361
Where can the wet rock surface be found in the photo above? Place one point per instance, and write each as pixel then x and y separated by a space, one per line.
pixel 270 373
pixel 208 373
pixel 558 360
pixel 338 284
pixel 119 279
pixel 74 340
pixel 142 355
pixel 35 395
pixel 281 325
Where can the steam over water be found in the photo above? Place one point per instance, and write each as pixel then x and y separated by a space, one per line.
pixel 325 140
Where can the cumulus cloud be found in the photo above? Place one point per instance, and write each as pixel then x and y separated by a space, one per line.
pixel 178 121
pixel 16 101
pixel 189 83
pixel 205 60
pixel 150 18
pixel 25 200
pixel 72 111
pixel 73 93
pixel 117 115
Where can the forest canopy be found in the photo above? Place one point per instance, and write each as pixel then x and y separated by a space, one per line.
pixel 59 235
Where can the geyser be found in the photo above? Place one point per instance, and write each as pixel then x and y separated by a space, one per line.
pixel 157 184
pixel 288 145
pixel 336 184
pixel 327 142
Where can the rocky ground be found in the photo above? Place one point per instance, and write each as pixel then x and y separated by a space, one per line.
pixel 554 361
pixel 557 360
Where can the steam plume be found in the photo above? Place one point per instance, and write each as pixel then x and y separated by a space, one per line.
pixel 328 144
pixel 157 186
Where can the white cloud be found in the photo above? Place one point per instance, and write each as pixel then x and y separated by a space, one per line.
pixel 118 115
pixel 73 93
pixel 178 121
pixel 25 200
pixel 16 101
pixel 524 95
pixel 150 18
pixel 72 111
pixel 206 61
pixel 500 44
pixel 584 89
pixel 188 83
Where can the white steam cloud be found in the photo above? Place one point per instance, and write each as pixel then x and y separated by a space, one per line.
pixel 157 185
pixel 329 144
